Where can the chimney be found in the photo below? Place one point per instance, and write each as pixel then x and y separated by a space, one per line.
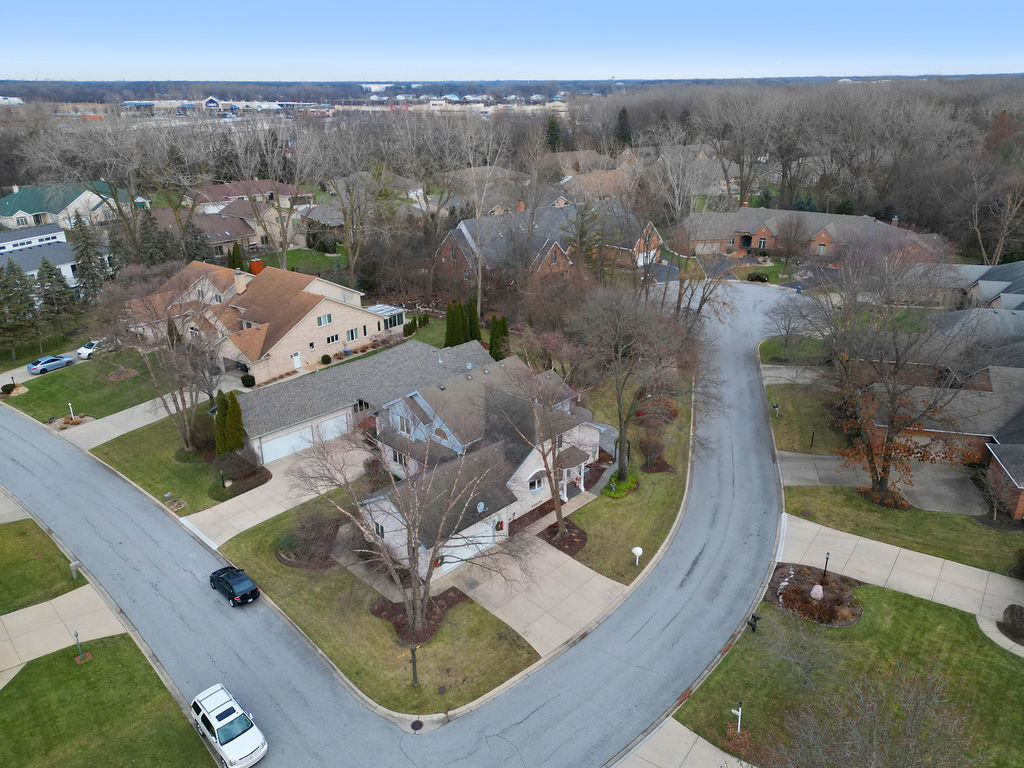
pixel 746 204
pixel 14 188
pixel 239 282
pixel 895 221
pixel 255 266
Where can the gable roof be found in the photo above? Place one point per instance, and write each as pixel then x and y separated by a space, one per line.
pixel 1011 457
pixel 218 227
pixel 376 380
pixel 47 198
pixel 213 193
pixel 29 259
pixel 276 298
pixel 28 232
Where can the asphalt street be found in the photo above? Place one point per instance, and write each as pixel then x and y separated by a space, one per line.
pixel 581 709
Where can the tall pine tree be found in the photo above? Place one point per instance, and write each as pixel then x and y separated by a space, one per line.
pixel 449 324
pixel 221 421
pixel 21 316
pixel 56 300
pixel 464 311
pixel 234 431
pixel 623 133
pixel 90 266
pixel 194 245
pixel 474 321
pixel 553 135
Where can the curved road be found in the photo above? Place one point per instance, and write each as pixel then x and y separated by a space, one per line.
pixel 581 709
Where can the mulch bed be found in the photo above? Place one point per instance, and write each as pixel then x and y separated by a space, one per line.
pixel 439 606
pixel 121 374
pixel 521 523
pixel 319 564
pixel 839 607
pixel 572 540
pixel 658 465
pixel 894 500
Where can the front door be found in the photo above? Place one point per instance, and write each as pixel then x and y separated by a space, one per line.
pixel 297 360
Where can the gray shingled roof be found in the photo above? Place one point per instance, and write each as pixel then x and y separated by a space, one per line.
pixel 20 234
pixel 983 324
pixel 1012 459
pixel 29 259
pixel 376 380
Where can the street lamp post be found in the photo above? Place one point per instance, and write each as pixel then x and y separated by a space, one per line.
pixel 824 574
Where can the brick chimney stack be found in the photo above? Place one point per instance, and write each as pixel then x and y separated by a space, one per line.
pixel 239 282
pixel 895 221
pixel 746 204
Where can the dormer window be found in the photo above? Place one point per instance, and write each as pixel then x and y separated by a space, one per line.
pixel 404 425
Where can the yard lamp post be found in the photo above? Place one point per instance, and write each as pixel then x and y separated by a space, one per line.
pixel 637 552
pixel 739 716
pixel 415 678
pixel 72 411
pixel 824 574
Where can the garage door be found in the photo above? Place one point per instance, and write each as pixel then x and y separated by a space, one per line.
pixel 285 445
pixel 334 427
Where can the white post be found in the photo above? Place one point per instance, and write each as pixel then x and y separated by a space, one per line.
pixel 72 411
pixel 637 551
pixel 739 716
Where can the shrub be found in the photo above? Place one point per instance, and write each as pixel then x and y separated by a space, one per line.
pixel 409 328
pixel 376 471
pixel 237 464
pixel 617 490
pixel 7 388
pixel 313 536
pixel 218 492
pixel 248 380
pixel 424 320
pixel 1012 624
pixel 325 359
pixel 652 445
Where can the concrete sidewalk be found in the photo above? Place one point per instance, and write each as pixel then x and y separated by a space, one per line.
pixel 10 510
pixel 673 745
pixel 792 374
pixel 47 627
pixel 937 487
pixel 974 590
pixel 87 436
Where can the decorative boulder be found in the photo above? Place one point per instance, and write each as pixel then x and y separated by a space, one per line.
pixel 817 592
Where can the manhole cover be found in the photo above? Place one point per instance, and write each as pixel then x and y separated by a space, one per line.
pixel 416 725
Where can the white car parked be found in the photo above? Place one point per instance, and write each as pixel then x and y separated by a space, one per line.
pixel 229 729
pixel 85 351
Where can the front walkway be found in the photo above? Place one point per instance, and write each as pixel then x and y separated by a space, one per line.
pixel 47 627
pixel 937 487
pixel 673 745
pixel 792 374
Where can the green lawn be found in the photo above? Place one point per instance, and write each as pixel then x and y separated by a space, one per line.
pixel 803 409
pixel 32 569
pixel 945 535
pixel 146 455
pixel 983 677
pixel 51 345
pixel 311 262
pixel 111 711
pixel 803 350
pixel 472 653
pixel 84 386
pixel 644 517
pixel 433 334
pixel 774 272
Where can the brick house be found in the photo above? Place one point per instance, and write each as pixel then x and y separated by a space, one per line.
pixel 738 232
pixel 272 323
pixel 211 198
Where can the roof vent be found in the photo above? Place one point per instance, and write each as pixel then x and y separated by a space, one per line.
pixel 486 371
pixel 441 386
pixel 468 377
pixel 469 366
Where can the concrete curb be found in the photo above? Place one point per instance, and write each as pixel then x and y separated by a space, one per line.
pixel 759 595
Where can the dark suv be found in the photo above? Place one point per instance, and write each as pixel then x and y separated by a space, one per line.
pixel 235 585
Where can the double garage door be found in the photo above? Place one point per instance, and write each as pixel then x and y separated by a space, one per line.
pixel 299 439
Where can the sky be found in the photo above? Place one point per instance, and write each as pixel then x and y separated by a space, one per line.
pixel 319 40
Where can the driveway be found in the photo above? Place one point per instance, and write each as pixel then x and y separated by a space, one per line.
pixel 581 709
pixel 938 487
pixel 661 272
pixel 542 593
pixel 21 373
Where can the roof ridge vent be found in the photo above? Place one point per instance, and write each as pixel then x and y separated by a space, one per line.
pixel 469 377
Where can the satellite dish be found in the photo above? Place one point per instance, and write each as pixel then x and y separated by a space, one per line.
pixel 480 508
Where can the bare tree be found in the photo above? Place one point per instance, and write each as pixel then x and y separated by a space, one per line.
pixel 992 201
pixel 410 527
pixel 893 718
pixel 641 352
pixel 786 320
pixel 793 237
pixel 892 365
pixel 736 126
pixel 173 327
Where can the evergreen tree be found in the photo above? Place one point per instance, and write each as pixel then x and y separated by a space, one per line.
pixel 55 299
pixel 90 266
pixel 117 250
pixel 464 311
pixel 221 421
pixel 553 135
pixel 194 245
pixel 474 321
pixel 235 256
pixel 499 330
pixel 234 431
pixel 623 133
pixel 449 324
pixel 20 314
pixel 156 244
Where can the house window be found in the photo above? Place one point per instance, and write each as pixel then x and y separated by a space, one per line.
pixel 554 258
pixel 351 334
pixel 332 339
pixel 732 241
pixel 22 221
pixel 193 332
pixel 364 330
pixel 393 321
pixel 311 345
pixel 536 484
pixel 465 275
pixel 404 425
pixel 821 249
pixel 378 529
pixel 219 250
pixel 323 320
pixel 264 239
pixel 761 242
pixel 361 405
pixel 398 458
pixel 378 326
pixel 74 270
pixel 559 441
